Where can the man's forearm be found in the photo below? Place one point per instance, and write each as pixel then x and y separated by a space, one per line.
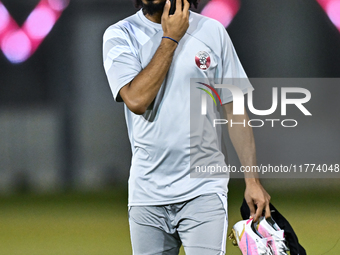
pixel 243 141
pixel 142 90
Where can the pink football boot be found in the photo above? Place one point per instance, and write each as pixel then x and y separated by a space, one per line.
pixel 275 236
pixel 250 242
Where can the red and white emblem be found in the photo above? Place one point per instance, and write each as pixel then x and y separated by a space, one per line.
pixel 202 60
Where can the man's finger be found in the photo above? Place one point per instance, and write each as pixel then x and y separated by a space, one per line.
pixel 268 214
pixel 166 9
pixel 178 5
pixel 186 6
pixel 259 211
pixel 251 208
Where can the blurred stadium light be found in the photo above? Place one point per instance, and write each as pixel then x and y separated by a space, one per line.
pixel 332 8
pixel 222 10
pixel 18 44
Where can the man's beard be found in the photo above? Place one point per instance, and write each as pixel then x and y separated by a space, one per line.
pixel 151 8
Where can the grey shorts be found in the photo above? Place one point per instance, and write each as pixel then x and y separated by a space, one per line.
pixel 199 224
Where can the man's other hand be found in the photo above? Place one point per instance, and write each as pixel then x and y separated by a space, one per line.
pixel 255 194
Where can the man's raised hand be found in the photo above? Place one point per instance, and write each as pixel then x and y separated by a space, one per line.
pixel 175 25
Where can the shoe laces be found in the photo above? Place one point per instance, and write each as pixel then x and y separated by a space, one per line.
pixel 263 250
pixel 281 246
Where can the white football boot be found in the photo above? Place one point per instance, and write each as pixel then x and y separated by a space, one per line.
pixel 245 236
pixel 275 236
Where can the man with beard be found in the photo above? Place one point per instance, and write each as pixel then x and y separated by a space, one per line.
pixel 149 59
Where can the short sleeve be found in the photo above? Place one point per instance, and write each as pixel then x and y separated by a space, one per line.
pixel 232 69
pixel 120 58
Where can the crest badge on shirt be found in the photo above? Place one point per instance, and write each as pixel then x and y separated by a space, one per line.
pixel 202 60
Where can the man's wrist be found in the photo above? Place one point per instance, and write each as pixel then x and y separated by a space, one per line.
pixel 170 38
pixel 170 44
pixel 251 178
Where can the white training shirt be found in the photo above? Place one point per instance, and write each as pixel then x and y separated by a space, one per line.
pixel 160 139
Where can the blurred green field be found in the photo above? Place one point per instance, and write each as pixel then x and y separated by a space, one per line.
pixel 96 224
